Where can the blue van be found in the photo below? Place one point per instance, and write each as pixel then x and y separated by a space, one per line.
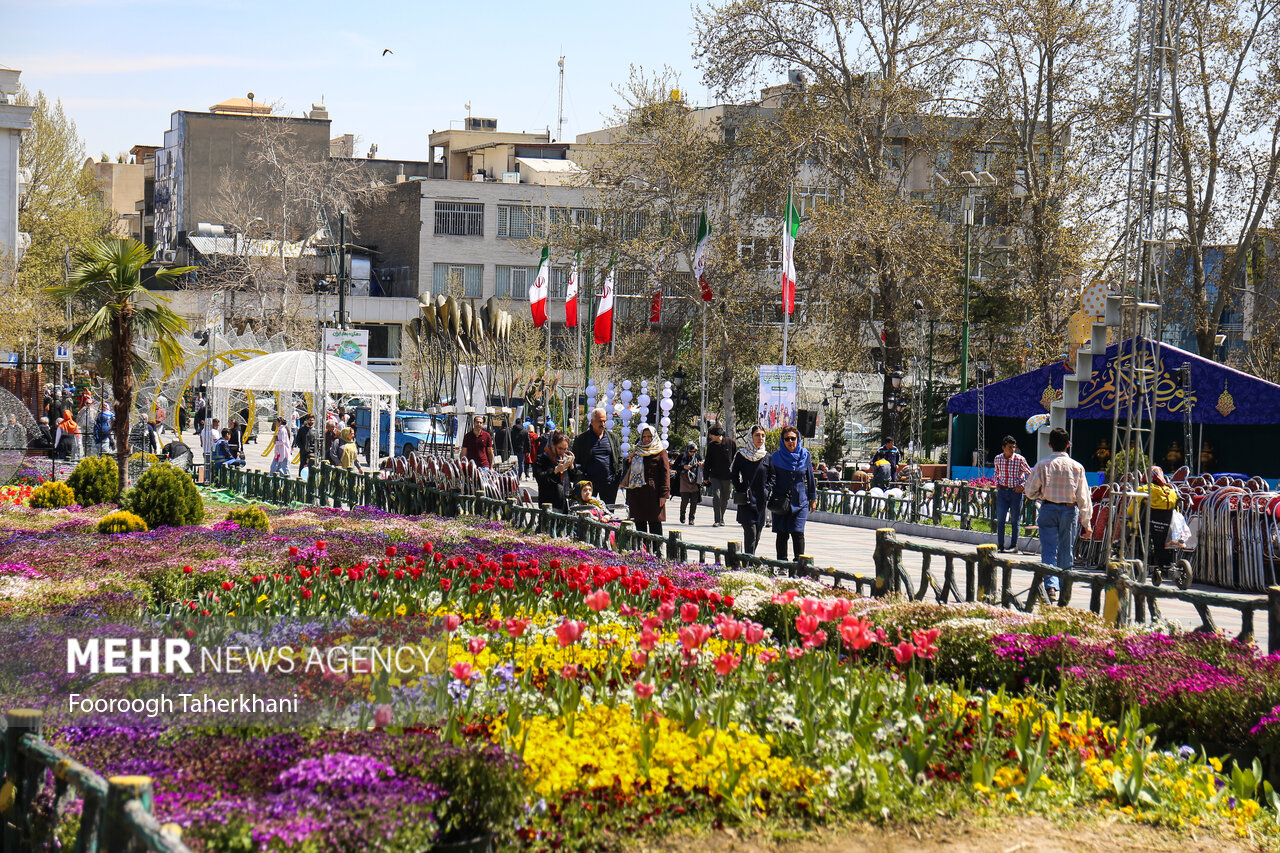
pixel 414 431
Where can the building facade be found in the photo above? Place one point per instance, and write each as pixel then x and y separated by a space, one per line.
pixel 14 119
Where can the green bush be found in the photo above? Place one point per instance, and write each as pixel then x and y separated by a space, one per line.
pixel 166 496
pixel 121 521
pixel 51 496
pixel 96 480
pixel 250 518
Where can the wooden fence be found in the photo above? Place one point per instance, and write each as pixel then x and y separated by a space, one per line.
pixel 959 503
pixel 116 813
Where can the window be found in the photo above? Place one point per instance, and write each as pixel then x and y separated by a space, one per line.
pixel 579 217
pixel 559 285
pixel 457 280
pixel 459 218
pixel 520 221
pixel 760 252
pixel 513 282
pixel 384 340
pixel 808 198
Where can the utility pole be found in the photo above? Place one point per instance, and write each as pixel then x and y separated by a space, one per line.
pixel 560 108
pixel 342 271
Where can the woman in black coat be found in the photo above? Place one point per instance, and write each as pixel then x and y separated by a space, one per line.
pixel 553 471
pixel 647 479
pixel 750 471
pixel 791 475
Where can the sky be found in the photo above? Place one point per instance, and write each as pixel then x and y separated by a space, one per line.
pixel 121 67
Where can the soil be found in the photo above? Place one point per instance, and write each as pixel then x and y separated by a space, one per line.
pixel 1014 835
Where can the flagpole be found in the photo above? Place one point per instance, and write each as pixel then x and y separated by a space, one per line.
pixel 702 414
pixel 786 315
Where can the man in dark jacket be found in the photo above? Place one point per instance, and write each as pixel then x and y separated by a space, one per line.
pixel 520 447
pixel 305 442
pixel 599 457
pixel 501 442
pixel 720 451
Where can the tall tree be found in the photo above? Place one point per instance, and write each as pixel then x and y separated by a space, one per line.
pixel 60 210
pixel 880 76
pixel 1226 117
pixel 108 278
pixel 1045 74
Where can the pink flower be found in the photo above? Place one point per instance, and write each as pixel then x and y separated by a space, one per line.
pixel 815 640
pixel 516 627
pixel 794 652
pixel 569 632
pixel 925 642
pixel 666 610
pixel 903 652
pixel 768 656
pixel 648 639
pixel 856 633
pixel 639 659
pixel 569 670
pixel 476 645
pixel 597 600
pixel 785 597
pixel 451 622
pixel 731 630
pixel 689 612
pixel 382 715
pixel 652 622
pixel 693 636
pixel 753 633
pixel 462 671
pixel 727 663
pixel 643 691
pixel 806 625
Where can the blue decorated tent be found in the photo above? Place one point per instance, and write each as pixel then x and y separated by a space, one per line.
pixel 1233 415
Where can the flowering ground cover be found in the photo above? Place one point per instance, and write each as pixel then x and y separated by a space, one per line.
pixel 569 698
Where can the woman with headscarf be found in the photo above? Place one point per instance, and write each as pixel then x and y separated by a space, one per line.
pixel 648 482
pixel 553 472
pixel 350 455
pixel 749 472
pixel 67 437
pixel 689 476
pixel 791 484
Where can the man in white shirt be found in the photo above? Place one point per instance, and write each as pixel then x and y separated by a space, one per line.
pixel 208 437
pixel 1059 483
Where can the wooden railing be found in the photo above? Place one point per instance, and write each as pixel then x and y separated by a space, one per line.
pixel 115 815
pixel 1121 593
pixel 959 503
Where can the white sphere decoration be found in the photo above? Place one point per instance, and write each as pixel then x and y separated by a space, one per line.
pixel 608 406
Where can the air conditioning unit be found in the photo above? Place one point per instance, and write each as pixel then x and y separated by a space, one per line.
pixel 511 177
pixel 166 256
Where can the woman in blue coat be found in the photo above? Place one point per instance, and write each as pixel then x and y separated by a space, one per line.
pixel 791 474
pixel 749 472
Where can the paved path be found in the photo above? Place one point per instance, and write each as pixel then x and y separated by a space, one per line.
pixel 851 549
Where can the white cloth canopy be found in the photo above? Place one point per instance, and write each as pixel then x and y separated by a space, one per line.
pixel 309 372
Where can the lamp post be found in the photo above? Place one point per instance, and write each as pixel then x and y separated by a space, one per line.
pixel 837 391
pixel 678 395
pixel 893 404
pixel 973 181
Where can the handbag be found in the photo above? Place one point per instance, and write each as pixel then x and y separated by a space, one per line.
pixel 780 503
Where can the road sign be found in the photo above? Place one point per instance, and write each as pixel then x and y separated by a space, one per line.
pixel 62 353
pixel 11 358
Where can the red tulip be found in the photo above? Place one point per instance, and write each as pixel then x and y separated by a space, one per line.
pixel 648 639
pixel 727 663
pixel 569 632
pixel 516 627
pixel 806 625
pixel 382 715
pixel 476 645
pixel 391 550
pixel 795 652
pixel 924 642
pixel 597 600
pixel 639 658
pixel 186 570
pixel 731 630
pixel 462 671
pixel 643 691
pixel 227 585
pixel 768 656
pixel 689 612
pixel 856 633
pixel 903 652
pixel 306 593
pixel 451 622
pixel 753 633
pixel 321 544
pixel 816 639
pixel 293 550
pixel 569 670
pixel 693 636
pixel 666 610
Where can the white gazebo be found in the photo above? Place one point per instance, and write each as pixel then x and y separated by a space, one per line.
pixel 307 372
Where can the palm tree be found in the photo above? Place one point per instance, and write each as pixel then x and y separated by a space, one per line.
pixel 108 277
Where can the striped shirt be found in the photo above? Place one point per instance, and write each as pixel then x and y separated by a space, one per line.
pixel 1011 471
pixel 1060 479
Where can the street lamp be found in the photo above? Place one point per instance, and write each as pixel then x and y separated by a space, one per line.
pixel 837 391
pixel 981 179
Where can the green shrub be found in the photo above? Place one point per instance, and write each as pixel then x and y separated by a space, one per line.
pixel 121 521
pixel 166 496
pixel 250 518
pixel 51 496
pixel 96 480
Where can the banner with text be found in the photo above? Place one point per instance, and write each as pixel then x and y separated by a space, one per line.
pixel 348 344
pixel 777 406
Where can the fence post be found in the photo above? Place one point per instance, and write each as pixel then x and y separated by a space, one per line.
pixel 986 572
pixel 1273 619
pixel 886 576
pixel 731 557
pixel 804 566
pixel 544 518
pixel 964 507
pixel 18 785
pixel 121 790
pixel 936 505
pixel 673 545
pixel 1116 595
pixel 624 535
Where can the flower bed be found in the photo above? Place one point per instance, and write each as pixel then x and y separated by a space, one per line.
pixel 620 694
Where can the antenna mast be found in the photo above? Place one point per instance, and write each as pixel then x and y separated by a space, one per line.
pixel 560 108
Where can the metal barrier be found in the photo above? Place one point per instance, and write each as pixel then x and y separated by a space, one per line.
pixel 1120 594
pixel 923 503
pixel 116 813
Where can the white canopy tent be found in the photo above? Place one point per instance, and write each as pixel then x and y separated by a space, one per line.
pixel 307 372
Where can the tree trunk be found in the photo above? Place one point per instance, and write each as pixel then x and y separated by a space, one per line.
pixel 122 388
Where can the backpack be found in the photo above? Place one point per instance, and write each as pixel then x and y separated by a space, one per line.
pixel 102 426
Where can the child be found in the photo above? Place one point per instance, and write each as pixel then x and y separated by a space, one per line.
pixel 584 500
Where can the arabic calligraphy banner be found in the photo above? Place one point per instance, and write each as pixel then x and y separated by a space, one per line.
pixel 1218 394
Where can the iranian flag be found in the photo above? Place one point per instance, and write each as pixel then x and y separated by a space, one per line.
pixel 655 304
pixel 571 293
pixel 700 257
pixel 790 227
pixel 604 311
pixel 538 290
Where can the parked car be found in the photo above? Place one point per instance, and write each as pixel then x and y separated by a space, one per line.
pixel 414 431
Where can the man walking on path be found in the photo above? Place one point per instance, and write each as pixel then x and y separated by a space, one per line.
pixel 1011 471
pixel 520 447
pixel 599 457
pixel 720 451
pixel 477 445
pixel 1060 485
